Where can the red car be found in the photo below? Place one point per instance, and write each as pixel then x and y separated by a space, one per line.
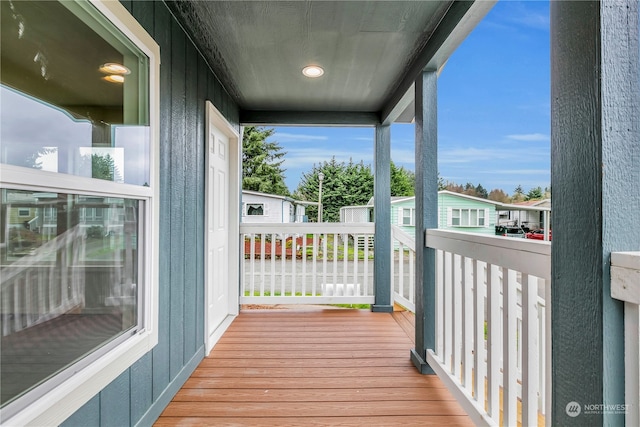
pixel 537 234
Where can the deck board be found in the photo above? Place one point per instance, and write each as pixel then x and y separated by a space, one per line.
pixel 312 368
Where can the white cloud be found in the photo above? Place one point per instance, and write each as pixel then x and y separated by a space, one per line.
pixel 518 172
pixel 468 155
pixel 403 156
pixel 279 136
pixel 307 156
pixel 529 137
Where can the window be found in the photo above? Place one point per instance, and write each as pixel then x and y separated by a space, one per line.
pixel 408 216
pixel 256 209
pixel 78 119
pixel 468 217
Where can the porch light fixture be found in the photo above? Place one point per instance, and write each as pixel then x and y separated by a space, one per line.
pixel 114 78
pixel 312 71
pixel 114 68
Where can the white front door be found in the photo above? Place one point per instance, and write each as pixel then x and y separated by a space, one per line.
pixel 218 228
pixel 222 225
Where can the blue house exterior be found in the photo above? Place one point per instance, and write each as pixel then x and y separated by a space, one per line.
pixel 163 320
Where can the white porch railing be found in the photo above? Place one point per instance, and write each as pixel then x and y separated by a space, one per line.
pixel 307 263
pixel 625 286
pixel 34 290
pixel 403 252
pixel 493 329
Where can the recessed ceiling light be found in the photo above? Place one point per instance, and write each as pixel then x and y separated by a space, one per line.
pixel 312 71
pixel 114 68
pixel 114 78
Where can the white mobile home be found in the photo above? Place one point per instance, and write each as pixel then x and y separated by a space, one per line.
pixel 270 208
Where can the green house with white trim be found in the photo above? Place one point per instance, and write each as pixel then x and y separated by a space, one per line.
pixel 455 212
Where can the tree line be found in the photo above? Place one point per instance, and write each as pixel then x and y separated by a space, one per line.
pixel 344 183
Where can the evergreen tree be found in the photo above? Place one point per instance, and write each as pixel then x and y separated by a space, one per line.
pixel 518 194
pixel 534 194
pixel 402 181
pixel 262 162
pixel 481 191
pixel 343 185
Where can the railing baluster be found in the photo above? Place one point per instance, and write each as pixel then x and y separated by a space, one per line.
pixel 345 262
pixel 400 269
pixel 365 275
pixel 304 264
pixel 283 263
pixel 479 366
pixel 294 257
pixel 325 255
pixel 542 363
pixel 493 342
pixel 467 322
pixel 448 310
pixel 529 340
pixel 509 352
pixel 457 310
pixel 314 268
pixel 262 261
pixel 392 267
pixel 336 243
pixel 412 278
pixel 252 262
pixel 356 239
pixel 440 302
pixel 274 239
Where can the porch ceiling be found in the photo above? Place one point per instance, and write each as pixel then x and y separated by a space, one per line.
pixel 371 52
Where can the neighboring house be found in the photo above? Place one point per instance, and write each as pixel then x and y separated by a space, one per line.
pixel 466 213
pixel 529 214
pixel 455 212
pixel 270 208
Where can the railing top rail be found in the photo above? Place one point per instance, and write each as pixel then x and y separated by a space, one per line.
pixel 626 259
pixel 625 276
pixel 524 255
pixel 403 237
pixel 309 227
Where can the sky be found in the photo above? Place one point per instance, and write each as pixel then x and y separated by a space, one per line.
pixel 493 111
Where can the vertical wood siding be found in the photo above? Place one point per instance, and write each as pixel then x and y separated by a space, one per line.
pixel 186 81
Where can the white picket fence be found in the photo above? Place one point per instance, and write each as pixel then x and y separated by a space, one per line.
pixel 493 327
pixel 625 286
pixel 307 263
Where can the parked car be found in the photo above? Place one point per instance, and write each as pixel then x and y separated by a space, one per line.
pixel 507 231
pixel 537 234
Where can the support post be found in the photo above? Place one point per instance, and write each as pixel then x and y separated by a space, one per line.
pixel 426 102
pixel 382 212
pixel 595 171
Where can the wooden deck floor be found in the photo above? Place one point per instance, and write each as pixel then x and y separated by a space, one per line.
pixel 312 368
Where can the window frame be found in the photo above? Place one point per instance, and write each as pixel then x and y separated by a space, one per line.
pixel 56 405
pixel 250 204
pixel 481 215
pixel 411 217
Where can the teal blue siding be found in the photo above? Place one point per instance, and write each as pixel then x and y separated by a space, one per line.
pixel 141 386
pixel 186 82
pixel 115 411
pixel 448 201
pixel 85 416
